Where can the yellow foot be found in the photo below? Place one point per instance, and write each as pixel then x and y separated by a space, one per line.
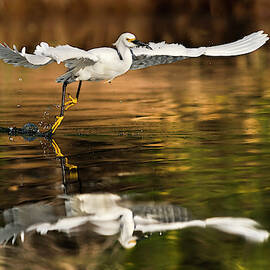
pixel 56 149
pixel 57 123
pixel 72 101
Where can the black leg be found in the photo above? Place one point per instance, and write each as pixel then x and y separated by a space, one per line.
pixel 63 99
pixel 72 101
pixel 78 90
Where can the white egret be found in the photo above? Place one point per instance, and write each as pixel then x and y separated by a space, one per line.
pixel 107 63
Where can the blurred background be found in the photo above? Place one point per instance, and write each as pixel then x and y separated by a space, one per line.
pixel 89 23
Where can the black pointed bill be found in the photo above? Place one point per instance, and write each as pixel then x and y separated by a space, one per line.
pixel 139 43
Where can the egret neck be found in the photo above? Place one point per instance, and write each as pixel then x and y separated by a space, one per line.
pixel 125 54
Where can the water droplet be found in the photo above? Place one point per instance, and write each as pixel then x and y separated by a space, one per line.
pixel 19 106
pixel 20 79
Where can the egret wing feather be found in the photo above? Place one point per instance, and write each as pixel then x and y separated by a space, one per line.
pixel 245 45
pixel 16 58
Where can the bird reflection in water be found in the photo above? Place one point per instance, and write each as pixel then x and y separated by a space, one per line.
pixel 109 214
pixel 66 168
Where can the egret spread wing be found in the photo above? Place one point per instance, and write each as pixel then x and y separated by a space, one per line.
pixel 163 53
pixel 43 54
pixel 17 58
pixel 73 58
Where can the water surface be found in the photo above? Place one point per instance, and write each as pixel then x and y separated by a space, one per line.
pixel 193 135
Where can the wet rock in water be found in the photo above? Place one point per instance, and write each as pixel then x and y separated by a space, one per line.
pixel 30 128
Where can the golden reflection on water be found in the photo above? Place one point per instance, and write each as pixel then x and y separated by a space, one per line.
pixel 160 93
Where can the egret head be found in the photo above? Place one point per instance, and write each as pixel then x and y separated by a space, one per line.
pixel 129 40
